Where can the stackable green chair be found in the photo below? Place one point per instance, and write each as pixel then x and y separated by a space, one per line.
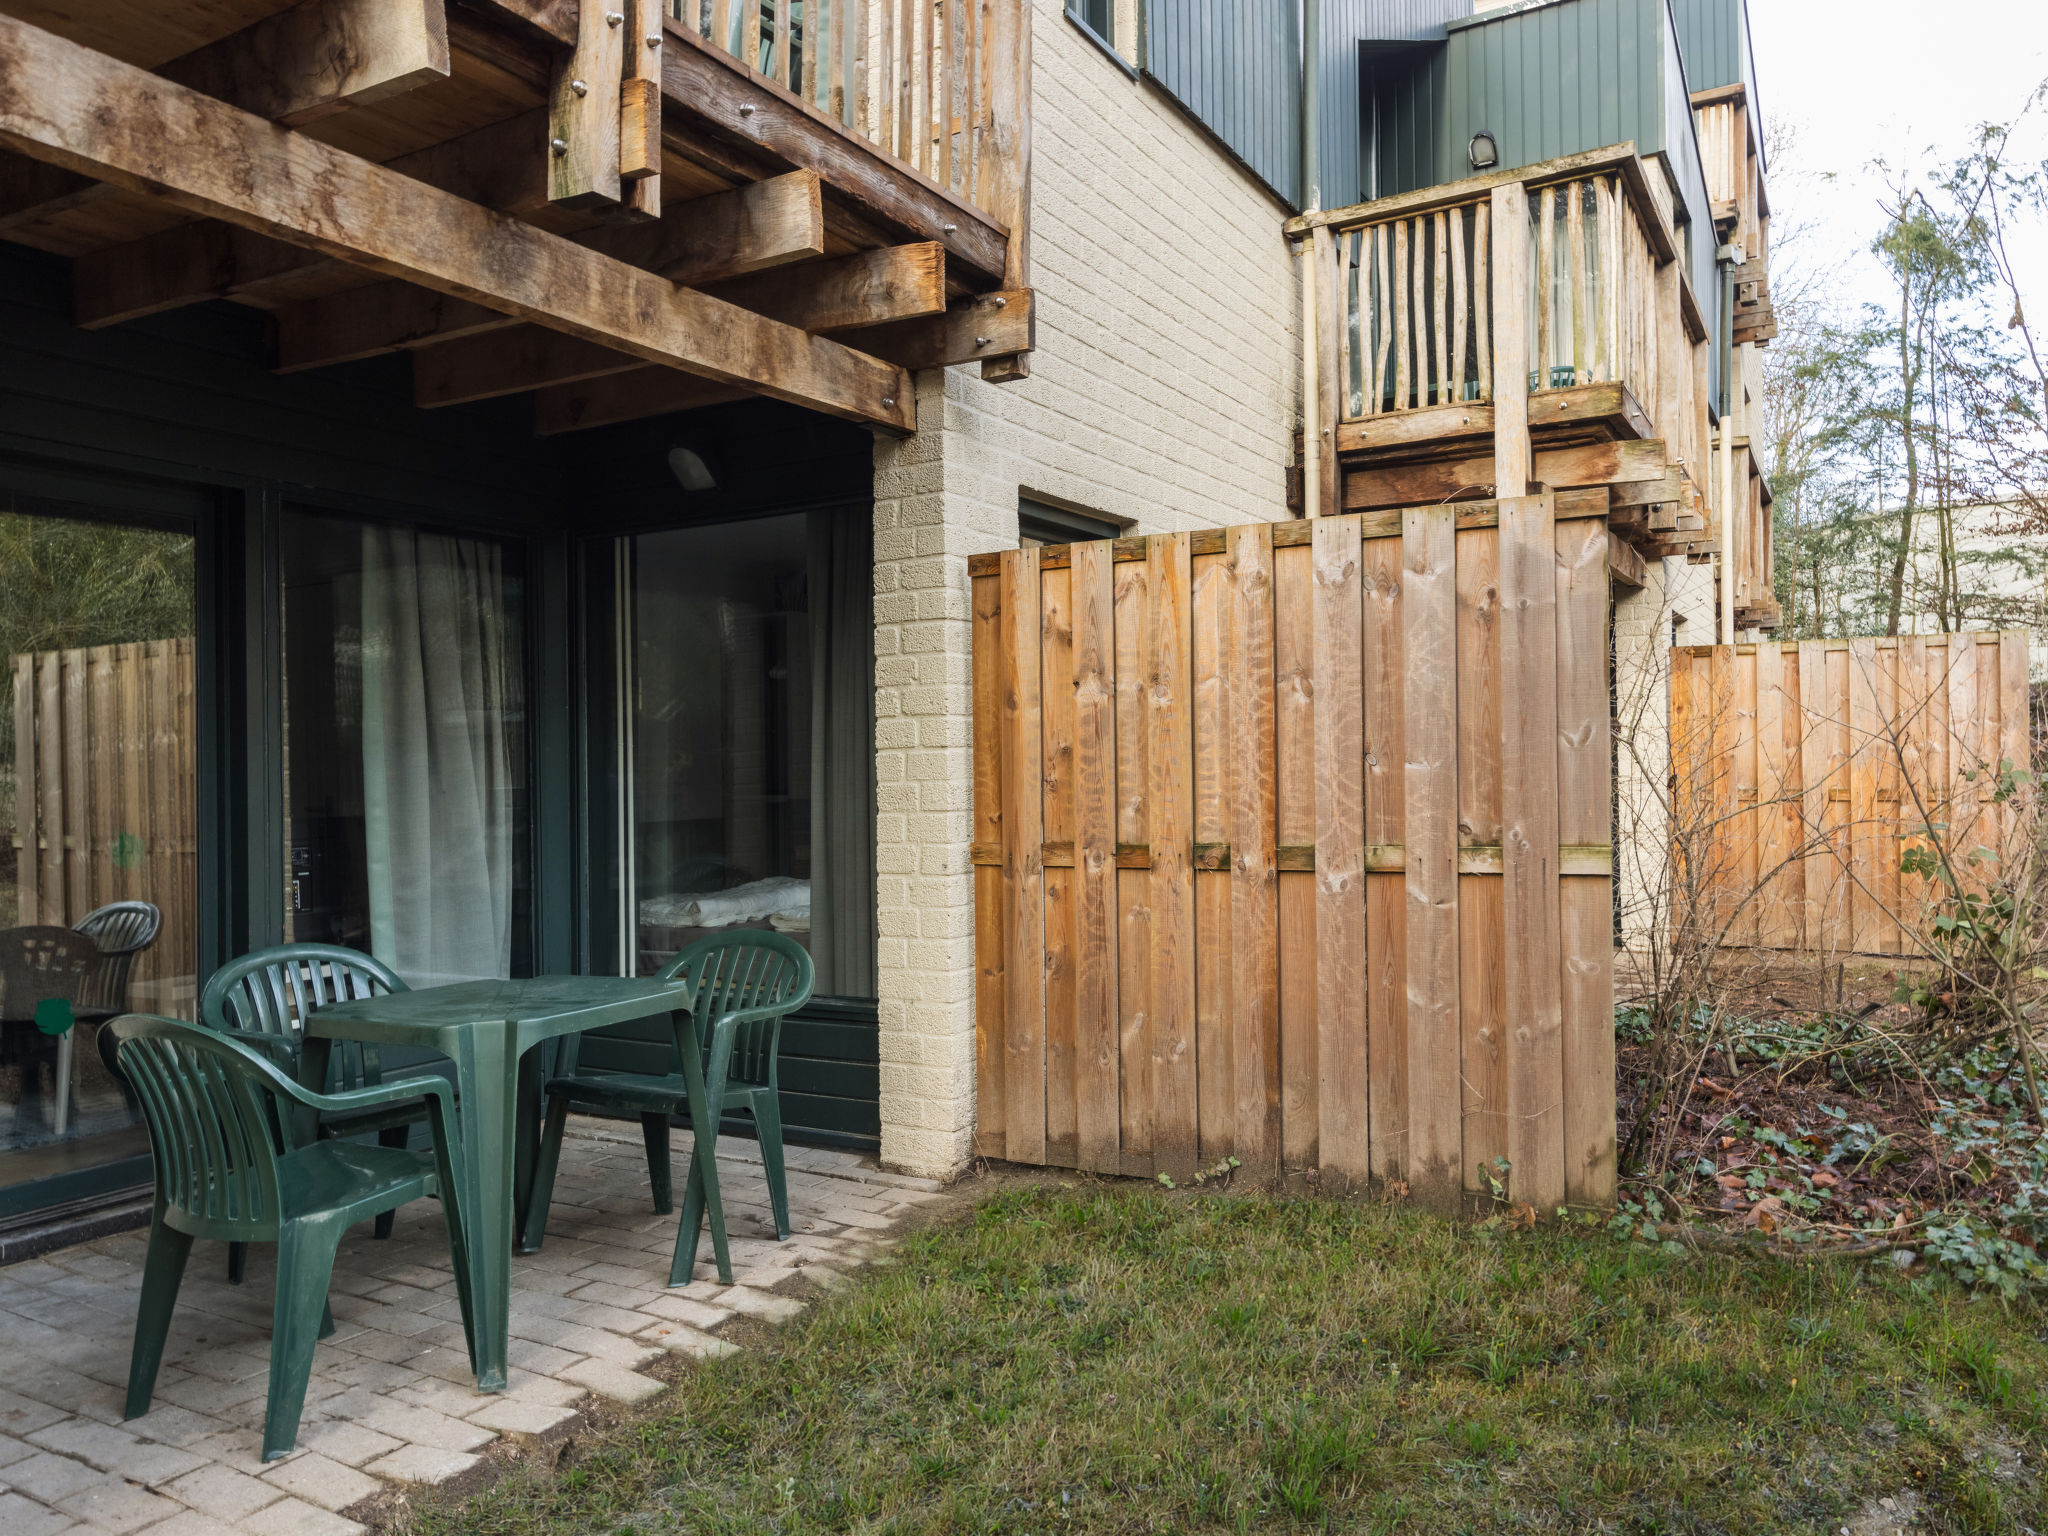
pixel 224 1170
pixel 269 992
pixel 741 985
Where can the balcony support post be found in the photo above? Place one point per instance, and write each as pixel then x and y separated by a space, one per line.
pixel 1512 455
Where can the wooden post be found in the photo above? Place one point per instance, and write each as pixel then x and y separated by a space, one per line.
pixel 1023 861
pixel 1512 456
pixel 1531 935
pixel 1341 1021
pixel 1008 197
pixel 640 108
pixel 1323 401
pixel 584 108
pixel 1430 725
pixel 1095 875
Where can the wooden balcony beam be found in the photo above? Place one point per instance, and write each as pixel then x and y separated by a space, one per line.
pixel 989 325
pixel 511 361
pixel 618 397
pixel 89 113
pixel 1590 464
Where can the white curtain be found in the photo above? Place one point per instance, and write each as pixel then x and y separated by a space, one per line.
pixel 439 712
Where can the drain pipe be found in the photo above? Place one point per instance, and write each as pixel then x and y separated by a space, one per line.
pixel 1311 202
pixel 1725 257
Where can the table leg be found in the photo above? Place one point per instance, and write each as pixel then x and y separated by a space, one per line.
pixel 700 1190
pixel 486 1078
pixel 64 1080
pixel 526 1142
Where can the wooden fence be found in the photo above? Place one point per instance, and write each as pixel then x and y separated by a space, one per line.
pixel 1290 845
pixel 106 797
pixel 1804 771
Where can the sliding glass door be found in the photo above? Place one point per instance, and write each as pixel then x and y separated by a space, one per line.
pixel 99 849
pixel 744 658
pixel 405 747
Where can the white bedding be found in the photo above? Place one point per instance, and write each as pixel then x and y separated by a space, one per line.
pixel 778 896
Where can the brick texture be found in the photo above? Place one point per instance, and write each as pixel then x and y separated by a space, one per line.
pixel 1164 390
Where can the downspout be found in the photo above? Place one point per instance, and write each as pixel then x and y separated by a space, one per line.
pixel 1726 259
pixel 1311 202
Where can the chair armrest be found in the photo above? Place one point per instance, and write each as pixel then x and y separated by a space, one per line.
pixel 279 1081
pixel 281 1047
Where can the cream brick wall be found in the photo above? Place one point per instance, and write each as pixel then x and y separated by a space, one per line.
pixel 1643 636
pixel 1163 390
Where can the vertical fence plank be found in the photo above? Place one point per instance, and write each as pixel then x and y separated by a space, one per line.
pixel 1135 639
pixel 1342 1112
pixel 1055 639
pixel 1865 748
pixel 1384 312
pixel 1744 808
pixel 1482 978
pixel 28 861
pixel 1254 910
pixel 102 698
pixel 1294 733
pixel 1482 288
pixel 77 822
pixel 1215 945
pixel 1429 616
pixel 1172 811
pixel 1775 836
pixel 1532 936
pixel 1023 862
pixel 990 948
pixel 1385 892
pixel 1585 902
pixel 1096 1049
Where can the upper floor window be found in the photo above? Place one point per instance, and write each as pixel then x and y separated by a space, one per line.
pixel 1111 23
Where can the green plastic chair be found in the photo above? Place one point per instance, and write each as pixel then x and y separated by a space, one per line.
pixel 741 986
pixel 214 1106
pixel 268 993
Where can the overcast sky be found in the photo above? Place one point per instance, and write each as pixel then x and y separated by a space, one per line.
pixel 1862 79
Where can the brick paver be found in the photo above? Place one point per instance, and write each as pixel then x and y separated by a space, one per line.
pixel 391 1399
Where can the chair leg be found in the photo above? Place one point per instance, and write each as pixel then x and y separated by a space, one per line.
pixel 162 1271
pixel 398 1136
pixel 768 1126
pixel 544 1175
pixel 238 1262
pixel 654 1131
pixel 305 1265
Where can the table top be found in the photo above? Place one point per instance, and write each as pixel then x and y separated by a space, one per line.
pixel 543 1005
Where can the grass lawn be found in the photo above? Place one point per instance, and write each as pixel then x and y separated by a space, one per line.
pixel 1111 1357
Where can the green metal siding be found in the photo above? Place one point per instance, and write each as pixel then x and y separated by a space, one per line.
pixel 1711 36
pixel 1555 80
pixel 1236 66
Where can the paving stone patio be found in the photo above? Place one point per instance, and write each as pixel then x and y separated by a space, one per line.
pixel 391 1399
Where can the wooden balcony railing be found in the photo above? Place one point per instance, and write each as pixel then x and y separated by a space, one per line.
pixel 938 84
pixel 1415 329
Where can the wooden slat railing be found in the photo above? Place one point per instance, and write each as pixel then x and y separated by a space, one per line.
pixel 926 80
pixel 1413 292
pixel 1593 305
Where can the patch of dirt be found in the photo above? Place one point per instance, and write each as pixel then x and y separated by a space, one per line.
pixel 1797 1135
pixel 1891 1515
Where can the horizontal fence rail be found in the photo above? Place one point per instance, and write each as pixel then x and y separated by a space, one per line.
pixel 1806 771
pixel 1291 845
pixel 922 79
pixel 1414 293
pixel 106 798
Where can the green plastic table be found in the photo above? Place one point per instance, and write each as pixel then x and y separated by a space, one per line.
pixel 489 1029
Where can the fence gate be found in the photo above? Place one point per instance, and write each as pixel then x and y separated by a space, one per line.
pixel 1805 771
pixel 1290 844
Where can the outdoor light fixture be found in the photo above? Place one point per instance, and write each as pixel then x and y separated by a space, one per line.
pixel 691 471
pixel 1483 151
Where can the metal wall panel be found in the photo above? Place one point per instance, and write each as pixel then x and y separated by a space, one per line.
pixel 1236 65
pixel 1710 37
